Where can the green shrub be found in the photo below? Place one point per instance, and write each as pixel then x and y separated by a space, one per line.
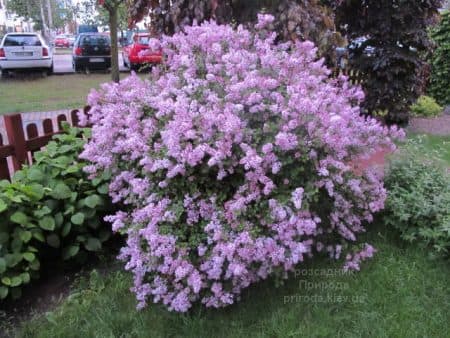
pixel 440 62
pixel 50 209
pixel 426 107
pixel 418 203
pixel 18 260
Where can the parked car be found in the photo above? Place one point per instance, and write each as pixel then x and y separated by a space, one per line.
pixel 25 51
pixel 91 51
pixel 62 41
pixel 138 53
pixel 71 40
pixel 87 29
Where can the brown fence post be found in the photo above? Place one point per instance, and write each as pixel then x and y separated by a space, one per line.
pixel 16 137
pixel 4 170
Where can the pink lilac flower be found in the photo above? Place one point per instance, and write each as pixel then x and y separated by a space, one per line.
pixel 222 161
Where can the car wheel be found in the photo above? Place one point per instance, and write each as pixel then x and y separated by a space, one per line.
pixel 50 70
pixel 134 67
pixel 5 74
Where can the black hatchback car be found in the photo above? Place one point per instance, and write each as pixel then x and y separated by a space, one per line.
pixel 91 51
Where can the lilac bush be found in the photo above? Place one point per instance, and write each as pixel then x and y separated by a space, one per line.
pixel 233 164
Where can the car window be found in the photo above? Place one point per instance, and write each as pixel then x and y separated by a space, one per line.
pixel 95 40
pixel 143 40
pixel 22 40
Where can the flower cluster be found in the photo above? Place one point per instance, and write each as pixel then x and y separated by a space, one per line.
pixel 232 164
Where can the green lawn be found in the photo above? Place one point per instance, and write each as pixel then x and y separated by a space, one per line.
pixel 439 146
pixel 45 94
pixel 400 293
pixel 62 51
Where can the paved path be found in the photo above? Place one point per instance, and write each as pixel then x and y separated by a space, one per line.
pixel 62 63
pixel 438 125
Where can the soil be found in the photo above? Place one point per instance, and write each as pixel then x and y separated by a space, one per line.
pixel 38 298
pixel 46 293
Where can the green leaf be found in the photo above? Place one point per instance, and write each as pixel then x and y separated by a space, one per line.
pixel 70 251
pixel 93 244
pixel 65 148
pixel 32 249
pixel 3 292
pixel 53 240
pixel 3 206
pixel 25 276
pixel 66 229
pixel 61 191
pixel 104 235
pixel 78 218
pixel 13 259
pixel 73 197
pixel 16 245
pixel 92 201
pixel 45 210
pixel 2 265
pixel 6 281
pixel 35 191
pixel 16 281
pixel 72 169
pixel 29 256
pixel 59 219
pixel 19 218
pixel 47 223
pixel 19 176
pixel 103 189
pixel 39 236
pixel 89 213
pixel 51 204
pixel 35 265
pixel 26 236
pixel 35 174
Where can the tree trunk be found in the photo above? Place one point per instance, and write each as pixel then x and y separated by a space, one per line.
pixel 44 25
pixel 50 17
pixel 114 45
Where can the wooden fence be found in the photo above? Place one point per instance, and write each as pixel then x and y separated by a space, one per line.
pixel 22 135
pixel 354 76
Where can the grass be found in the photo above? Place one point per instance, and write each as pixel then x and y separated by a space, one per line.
pixel 62 51
pixel 400 293
pixel 47 93
pixel 439 146
pixel 36 93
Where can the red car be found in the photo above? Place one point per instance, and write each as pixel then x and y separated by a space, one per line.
pixel 62 41
pixel 138 54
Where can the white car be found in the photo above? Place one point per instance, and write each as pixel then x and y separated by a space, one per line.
pixel 25 51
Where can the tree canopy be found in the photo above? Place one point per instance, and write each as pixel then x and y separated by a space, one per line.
pixel 397 32
pixel 31 9
pixel 307 19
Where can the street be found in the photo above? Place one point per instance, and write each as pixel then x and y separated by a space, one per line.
pixel 62 63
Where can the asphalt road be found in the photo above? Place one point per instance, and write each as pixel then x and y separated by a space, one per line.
pixel 62 63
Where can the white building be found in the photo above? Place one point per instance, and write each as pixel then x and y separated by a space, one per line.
pixel 10 22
